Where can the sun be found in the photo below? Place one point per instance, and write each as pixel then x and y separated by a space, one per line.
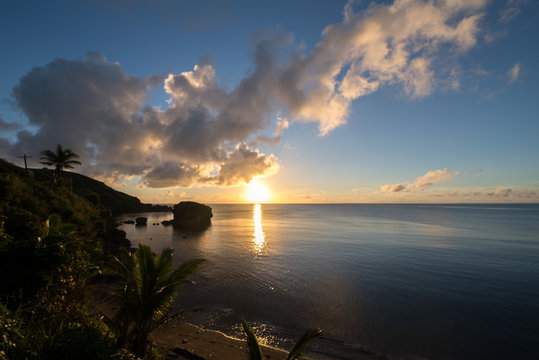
pixel 257 193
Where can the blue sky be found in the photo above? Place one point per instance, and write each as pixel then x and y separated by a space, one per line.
pixel 396 101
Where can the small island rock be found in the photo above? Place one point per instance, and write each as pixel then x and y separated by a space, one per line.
pixel 190 215
pixel 141 220
pixel 167 222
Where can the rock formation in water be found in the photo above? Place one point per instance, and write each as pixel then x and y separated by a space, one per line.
pixel 141 220
pixel 190 215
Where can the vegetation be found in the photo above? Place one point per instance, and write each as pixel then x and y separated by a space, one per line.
pixel 49 246
pixel 255 351
pixel 53 243
pixel 144 299
pixel 61 159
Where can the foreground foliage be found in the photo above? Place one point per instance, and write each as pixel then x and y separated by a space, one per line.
pixel 255 351
pixel 51 245
pixel 148 287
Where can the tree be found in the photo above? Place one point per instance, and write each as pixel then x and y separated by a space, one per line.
pixel 256 352
pixel 144 300
pixel 61 159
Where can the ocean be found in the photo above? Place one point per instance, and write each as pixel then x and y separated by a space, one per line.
pixel 434 281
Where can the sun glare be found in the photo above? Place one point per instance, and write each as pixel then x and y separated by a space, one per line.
pixel 258 193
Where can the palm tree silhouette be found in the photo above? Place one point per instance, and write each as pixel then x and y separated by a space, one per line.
pixel 61 159
pixel 145 298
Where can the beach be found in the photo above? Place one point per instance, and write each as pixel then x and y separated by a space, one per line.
pixel 183 340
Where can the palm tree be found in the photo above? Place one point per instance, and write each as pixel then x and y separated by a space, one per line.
pixel 61 159
pixel 144 300
pixel 256 352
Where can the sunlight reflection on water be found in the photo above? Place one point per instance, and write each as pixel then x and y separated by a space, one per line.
pixel 258 235
pixel 427 280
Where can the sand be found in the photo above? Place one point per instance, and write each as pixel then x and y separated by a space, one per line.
pixel 182 340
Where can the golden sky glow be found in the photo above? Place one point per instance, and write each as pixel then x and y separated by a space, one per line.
pixel 168 129
pixel 257 193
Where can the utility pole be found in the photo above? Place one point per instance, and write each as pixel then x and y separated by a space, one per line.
pixel 25 164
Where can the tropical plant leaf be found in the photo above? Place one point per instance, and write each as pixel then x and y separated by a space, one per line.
pixel 302 342
pixel 254 348
pixel 149 287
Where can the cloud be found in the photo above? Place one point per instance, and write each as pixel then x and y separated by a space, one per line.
pixel 511 10
pixel 239 167
pixel 394 44
pixel 281 125
pixel 8 126
pixel 421 182
pixel 502 193
pixel 95 108
pixel 242 165
pixel 171 174
pixel 393 188
pixel 514 73
pixel 389 44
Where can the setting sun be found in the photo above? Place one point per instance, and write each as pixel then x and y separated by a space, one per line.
pixel 257 193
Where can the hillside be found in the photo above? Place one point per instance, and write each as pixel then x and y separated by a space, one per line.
pixel 93 190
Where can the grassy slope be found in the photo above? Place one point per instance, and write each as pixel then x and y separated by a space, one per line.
pixel 90 189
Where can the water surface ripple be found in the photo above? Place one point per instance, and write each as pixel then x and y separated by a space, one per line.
pixel 437 281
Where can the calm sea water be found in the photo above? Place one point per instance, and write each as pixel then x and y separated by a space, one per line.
pixel 437 281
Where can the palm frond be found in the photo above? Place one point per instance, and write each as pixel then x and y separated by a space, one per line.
pixel 186 269
pixel 252 342
pixel 60 159
pixel 302 342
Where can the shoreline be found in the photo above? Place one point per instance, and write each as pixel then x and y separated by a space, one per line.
pixel 180 339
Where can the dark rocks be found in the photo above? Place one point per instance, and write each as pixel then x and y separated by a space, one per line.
pixel 141 221
pixel 113 240
pixel 190 215
pixel 128 222
pixel 167 222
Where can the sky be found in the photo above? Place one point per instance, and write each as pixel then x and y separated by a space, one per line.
pixel 320 101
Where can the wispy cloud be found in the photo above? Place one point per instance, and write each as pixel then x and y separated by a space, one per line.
pixel 514 73
pixel 502 193
pixel 511 10
pixel 430 178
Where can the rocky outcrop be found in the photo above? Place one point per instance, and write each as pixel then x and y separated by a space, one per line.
pixel 141 221
pixel 190 215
